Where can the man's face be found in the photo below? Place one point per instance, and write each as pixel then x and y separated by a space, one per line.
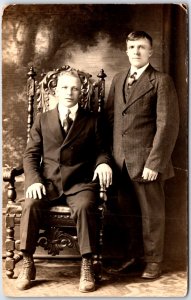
pixel 139 52
pixel 68 90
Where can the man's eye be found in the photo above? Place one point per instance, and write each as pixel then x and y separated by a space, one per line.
pixel 75 89
pixel 64 87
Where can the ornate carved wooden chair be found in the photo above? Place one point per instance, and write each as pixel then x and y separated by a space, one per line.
pixel 58 230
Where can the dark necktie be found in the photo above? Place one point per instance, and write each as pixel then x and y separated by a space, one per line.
pixel 67 122
pixel 131 79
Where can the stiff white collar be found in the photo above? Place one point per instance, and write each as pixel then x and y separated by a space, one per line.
pixel 63 110
pixel 138 71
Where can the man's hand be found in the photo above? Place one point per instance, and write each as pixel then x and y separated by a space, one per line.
pixel 149 175
pixel 104 172
pixel 36 190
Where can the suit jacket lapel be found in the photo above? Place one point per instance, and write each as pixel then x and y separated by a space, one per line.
pixel 55 125
pixel 76 127
pixel 142 86
pixel 123 82
pixel 56 129
pixel 121 90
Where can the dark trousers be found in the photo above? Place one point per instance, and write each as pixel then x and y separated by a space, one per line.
pixel 145 201
pixel 83 206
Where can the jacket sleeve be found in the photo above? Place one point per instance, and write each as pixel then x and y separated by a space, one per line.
pixel 167 125
pixel 33 155
pixel 109 114
pixel 102 147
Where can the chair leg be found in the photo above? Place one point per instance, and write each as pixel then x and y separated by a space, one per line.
pixel 97 259
pixel 97 266
pixel 10 246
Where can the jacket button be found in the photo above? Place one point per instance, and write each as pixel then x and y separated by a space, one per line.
pixel 123 113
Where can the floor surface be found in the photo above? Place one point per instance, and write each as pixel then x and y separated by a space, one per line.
pixel 58 278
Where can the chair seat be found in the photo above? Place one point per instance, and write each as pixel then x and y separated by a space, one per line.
pixel 59 216
pixel 16 208
pixel 55 216
pixel 64 209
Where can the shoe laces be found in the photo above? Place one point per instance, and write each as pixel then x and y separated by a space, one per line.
pixel 28 261
pixel 87 269
pixel 28 264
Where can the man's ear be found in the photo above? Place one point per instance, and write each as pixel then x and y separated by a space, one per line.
pixel 150 52
pixel 126 48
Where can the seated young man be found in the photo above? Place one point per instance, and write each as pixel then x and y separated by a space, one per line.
pixel 62 163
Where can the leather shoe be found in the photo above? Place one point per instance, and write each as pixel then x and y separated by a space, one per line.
pixel 27 274
pixel 87 281
pixel 152 271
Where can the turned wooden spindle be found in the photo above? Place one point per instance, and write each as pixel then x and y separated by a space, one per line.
pixel 30 93
pixel 101 90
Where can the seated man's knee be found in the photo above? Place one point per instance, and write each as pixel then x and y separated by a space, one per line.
pixel 85 205
pixel 82 203
pixel 31 203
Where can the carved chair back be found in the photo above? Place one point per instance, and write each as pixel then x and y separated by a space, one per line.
pixel 92 92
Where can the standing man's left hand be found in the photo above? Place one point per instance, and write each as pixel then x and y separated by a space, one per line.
pixel 104 173
pixel 149 174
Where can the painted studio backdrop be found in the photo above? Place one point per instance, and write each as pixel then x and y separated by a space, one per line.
pixel 92 37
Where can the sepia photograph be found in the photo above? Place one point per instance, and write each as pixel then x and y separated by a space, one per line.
pixel 95 150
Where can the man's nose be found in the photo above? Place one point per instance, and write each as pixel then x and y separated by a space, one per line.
pixel 136 50
pixel 69 91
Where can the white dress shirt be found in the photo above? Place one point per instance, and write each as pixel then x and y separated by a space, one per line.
pixel 138 71
pixel 63 111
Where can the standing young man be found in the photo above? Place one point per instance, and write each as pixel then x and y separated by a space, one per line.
pixel 142 113
pixel 62 164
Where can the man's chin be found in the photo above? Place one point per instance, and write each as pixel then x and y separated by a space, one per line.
pixel 137 65
pixel 68 104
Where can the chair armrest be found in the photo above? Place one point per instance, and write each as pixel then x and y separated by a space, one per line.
pixel 103 194
pixel 9 175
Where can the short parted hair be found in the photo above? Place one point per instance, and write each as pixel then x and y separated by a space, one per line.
pixel 70 72
pixel 136 35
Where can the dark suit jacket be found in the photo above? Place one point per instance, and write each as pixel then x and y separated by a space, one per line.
pixel 145 123
pixel 64 165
